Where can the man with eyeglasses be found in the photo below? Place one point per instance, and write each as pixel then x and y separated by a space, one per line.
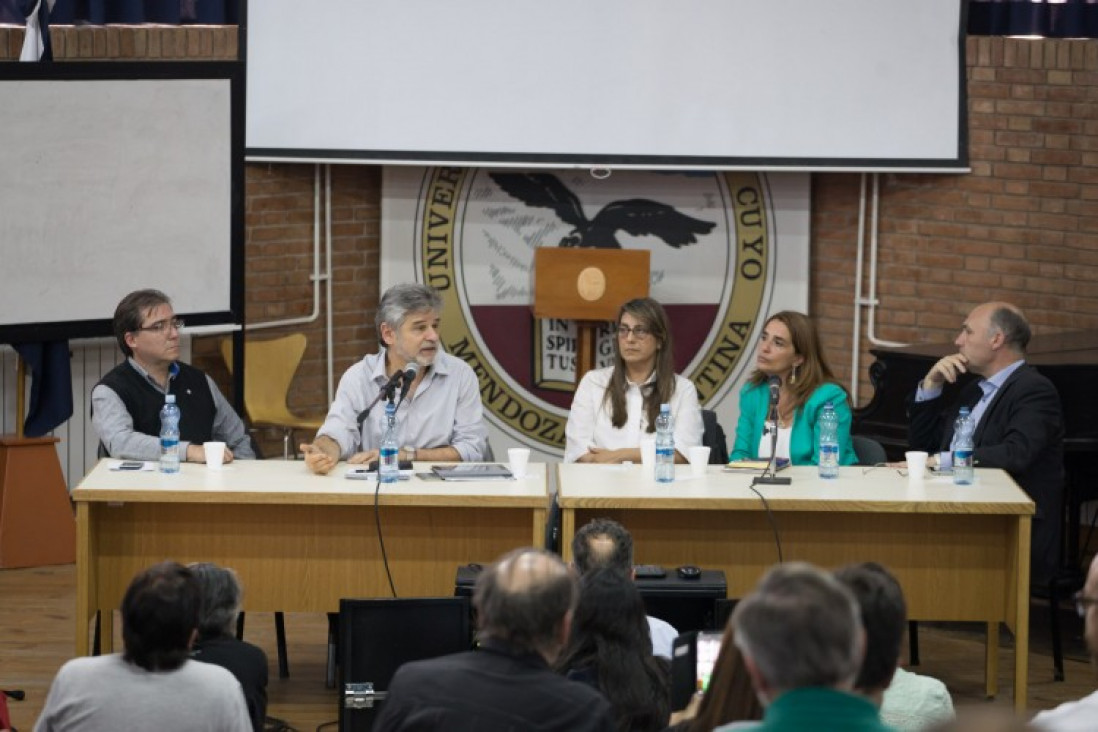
pixel 1083 714
pixel 126 402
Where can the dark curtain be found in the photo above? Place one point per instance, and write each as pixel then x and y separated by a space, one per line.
pixel 101 12
pixel 1068 19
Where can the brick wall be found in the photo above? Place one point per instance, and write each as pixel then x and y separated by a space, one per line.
pixel 1023 226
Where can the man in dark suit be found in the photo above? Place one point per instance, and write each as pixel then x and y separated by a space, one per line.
pixel 524 608
pixel 1019 421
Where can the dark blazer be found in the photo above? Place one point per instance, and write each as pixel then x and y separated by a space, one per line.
pixel 1021 432
pixel 490 690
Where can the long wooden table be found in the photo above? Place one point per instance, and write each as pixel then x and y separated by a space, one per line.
pixel 961 553
pixel 298 541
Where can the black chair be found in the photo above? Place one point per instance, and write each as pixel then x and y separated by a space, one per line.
pixel 868 450
pixel 713 438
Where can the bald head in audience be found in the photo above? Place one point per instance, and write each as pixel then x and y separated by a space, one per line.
pixel 526 600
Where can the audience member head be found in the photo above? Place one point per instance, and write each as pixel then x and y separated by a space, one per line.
pixel 160 616
pixel 611 646
pixel 794 354
pixel 221 596
pixel 131 312
pixel 401 300
pixel 525 600
pixel 884 616
pixel 799 628
pixel 643 341
pixel 730 696
pixel 603 542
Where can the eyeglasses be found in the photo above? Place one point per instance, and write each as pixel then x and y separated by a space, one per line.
pixel 163 326
pixel 1082 602
pixel 639 332
pixel 870 468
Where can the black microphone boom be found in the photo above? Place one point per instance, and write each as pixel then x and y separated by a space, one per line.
pixel 768 476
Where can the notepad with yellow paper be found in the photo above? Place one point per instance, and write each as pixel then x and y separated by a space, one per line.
pixel 755 466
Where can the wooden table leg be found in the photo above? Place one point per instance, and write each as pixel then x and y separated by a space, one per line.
pixel 1021 623
pixel 84 590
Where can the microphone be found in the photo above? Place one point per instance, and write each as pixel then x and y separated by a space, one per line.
pixel 409 375
pixel 768 476
pixel 775 394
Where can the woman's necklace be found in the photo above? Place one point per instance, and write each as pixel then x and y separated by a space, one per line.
pixel 785 412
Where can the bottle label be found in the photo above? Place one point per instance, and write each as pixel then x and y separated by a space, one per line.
pixel 829 453
pixel 168 443
pixel 962 459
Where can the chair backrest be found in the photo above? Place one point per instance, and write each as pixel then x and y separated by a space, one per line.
pixel 868 450
pixel 713 438
pixel 271 365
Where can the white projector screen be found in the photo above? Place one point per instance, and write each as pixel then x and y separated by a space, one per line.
pixel 117 177
pixel 757 84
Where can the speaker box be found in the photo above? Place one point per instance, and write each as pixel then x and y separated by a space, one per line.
pixel 377 636
pixel 688 604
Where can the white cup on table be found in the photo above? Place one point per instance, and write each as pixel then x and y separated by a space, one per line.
pixel 916 464
pixel 215 454
pixel 517 459
pixel 699 460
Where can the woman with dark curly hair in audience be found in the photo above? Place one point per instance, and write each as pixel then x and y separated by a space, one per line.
pixel 610 649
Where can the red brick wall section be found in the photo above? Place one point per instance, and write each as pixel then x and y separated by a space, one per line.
pixel 1023 226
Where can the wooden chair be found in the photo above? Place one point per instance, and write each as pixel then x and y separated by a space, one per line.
pixel 270 367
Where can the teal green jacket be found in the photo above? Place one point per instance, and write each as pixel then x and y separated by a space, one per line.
pixel 805 441
pixel 817 710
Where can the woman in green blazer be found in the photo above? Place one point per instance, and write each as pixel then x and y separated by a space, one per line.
pixel 789 348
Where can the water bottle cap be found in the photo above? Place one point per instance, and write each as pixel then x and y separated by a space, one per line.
pixel 169 398
pixel 966 410
pixel 390 407
pixel 665 407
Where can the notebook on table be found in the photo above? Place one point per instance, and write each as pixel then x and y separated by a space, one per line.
pixel 472 471
pixel 755 466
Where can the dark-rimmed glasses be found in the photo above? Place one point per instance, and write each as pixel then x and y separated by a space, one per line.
pixel 639 332
pixel 1082 602
pixel 162 326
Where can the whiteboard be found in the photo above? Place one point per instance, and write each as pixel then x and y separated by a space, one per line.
pixel 804 84
pixel 117 177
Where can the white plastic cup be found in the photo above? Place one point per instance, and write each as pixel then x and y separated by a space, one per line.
pixel 916 464
pixel 517 459
pixel 699 460
pixel 215 454
pixel 648 455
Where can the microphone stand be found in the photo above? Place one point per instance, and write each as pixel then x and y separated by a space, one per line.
pixel 768 476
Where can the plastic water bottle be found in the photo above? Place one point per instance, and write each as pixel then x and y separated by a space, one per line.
pixel 963 448
pixel 388 470
pixel 829 443
pixel 169 435
pixel 665 446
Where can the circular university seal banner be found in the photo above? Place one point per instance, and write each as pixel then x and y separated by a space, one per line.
pixel 715 265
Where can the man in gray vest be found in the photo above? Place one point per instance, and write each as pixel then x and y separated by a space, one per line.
pixel 126 402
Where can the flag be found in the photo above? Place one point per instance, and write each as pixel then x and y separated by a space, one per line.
pixel 36 40
pixel 51 385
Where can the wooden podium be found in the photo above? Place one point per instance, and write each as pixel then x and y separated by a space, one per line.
pixel 587 286
pixel 37 526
